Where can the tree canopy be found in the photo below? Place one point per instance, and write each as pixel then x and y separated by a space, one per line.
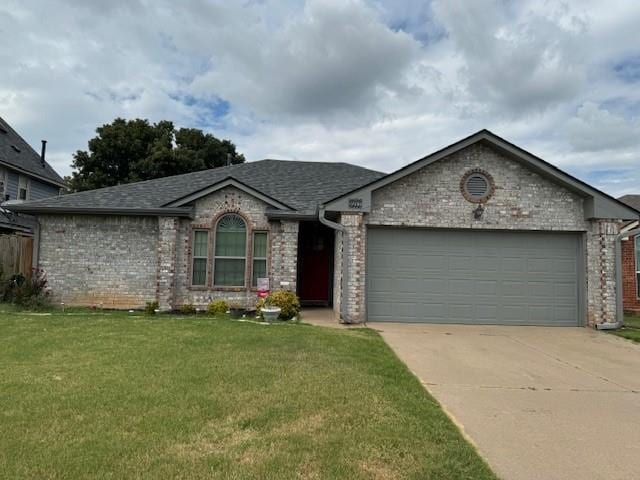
pixel 126 151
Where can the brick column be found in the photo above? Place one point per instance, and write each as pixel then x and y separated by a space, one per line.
pixel 167 239
pixel 284 255
pixel 356 260
pixel 601 274
pixel 629 288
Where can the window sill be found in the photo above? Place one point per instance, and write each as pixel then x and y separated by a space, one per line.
pixel 196 288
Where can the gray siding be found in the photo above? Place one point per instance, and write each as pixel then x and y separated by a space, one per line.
pixel 40 190
pixel 12 185
pixel 37 189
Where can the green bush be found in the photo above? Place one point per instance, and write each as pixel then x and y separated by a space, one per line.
pixel 217 307
pixel 150 308
pixel 187 309
pixel 288 302
pixel 31 292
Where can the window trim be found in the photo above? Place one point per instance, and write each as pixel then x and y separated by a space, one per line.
pixel 247 244
pixel 254 258
pixel 194 257
pixel 27 189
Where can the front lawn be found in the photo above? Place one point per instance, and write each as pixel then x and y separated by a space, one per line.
pixel 631 328
pixel 113 395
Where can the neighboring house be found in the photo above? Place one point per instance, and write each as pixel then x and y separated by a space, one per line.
pixel 24 176
pixel 478 232
pixel 631 260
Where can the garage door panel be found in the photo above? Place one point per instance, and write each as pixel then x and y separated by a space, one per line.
pixel 446 276
pixel 486 287
pixel 513 265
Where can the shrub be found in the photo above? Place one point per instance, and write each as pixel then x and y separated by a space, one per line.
pixel 217 307
pixel 32 292
pixel 187 309
pixel 150 308
pixel 288 302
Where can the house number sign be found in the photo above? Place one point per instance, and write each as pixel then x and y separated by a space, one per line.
pixel 355 203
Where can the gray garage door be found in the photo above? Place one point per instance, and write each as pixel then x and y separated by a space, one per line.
pixel 475 277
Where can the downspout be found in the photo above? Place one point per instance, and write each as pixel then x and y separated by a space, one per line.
pixel 345 261
pixel 619 293
pixel 35 261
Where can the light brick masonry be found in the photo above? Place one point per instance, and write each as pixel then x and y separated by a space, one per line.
pixel 522 200
pixel 125 261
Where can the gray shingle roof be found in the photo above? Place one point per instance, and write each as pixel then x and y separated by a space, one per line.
pixel 23 157
pixel 632 200
pixel 300 185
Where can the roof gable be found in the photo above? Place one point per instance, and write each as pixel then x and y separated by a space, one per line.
pixel 229 181
pixel 597 204
pixel 17 154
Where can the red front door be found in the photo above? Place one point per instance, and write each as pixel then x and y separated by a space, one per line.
pixel 315 266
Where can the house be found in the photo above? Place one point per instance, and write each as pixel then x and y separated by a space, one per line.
pixel 24 176
pixel 630 247
pixel 479 232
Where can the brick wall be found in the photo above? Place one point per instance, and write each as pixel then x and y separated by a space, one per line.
pixel 629 280
pixel 282 249
pixel 100 260
pixel 126 261
pixel 522 200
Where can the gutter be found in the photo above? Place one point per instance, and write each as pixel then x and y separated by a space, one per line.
pixel 619 294
pixel 345 261
pixel 169 212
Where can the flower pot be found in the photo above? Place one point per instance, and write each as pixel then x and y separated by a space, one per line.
pixel 236 312
pixel 270 313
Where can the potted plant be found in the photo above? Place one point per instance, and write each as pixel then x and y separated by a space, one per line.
pixel 236 310
pixel 269 311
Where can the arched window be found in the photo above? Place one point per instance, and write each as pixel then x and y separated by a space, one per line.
pixel 230 257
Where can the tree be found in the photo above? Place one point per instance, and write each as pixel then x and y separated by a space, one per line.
pixel 125 151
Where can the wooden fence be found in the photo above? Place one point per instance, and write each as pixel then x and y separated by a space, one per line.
pixel 16 255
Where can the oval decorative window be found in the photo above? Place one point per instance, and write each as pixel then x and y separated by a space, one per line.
pixel 477 186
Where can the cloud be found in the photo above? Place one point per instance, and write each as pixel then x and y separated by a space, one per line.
pixel 336 57
pixel 374 82
pixel 520 61
pixel 594 129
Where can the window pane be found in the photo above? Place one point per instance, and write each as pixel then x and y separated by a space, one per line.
pixel 231 244
pixel 200 240
pixel 199 271
pixel 229 272
pixel 260 244
pixel 231 237
pixel 638 283
pixel 259 271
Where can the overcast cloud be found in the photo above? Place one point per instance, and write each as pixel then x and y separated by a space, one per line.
pixel 378 83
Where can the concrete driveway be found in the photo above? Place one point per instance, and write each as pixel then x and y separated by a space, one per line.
pixel 539 403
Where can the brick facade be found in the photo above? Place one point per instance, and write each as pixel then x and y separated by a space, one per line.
pixel 100 260
pixel 124 262
pixel 522 200
pixel 631 300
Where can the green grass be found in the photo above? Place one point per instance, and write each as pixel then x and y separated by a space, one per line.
pixel 114 395
pixel 631 328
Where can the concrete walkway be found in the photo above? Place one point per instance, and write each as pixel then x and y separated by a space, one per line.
pixel 539 403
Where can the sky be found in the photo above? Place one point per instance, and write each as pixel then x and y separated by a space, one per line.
pixel 378 83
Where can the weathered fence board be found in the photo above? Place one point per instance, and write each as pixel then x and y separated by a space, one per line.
pixel 16 254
